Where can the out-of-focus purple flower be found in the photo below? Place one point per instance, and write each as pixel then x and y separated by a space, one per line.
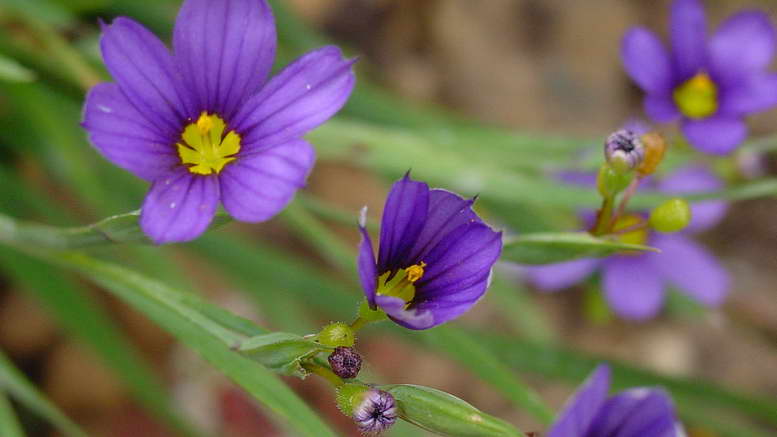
pixel 634 284
pixel 637 412
pixel 710 84
pixel 204 124
pixel 434 259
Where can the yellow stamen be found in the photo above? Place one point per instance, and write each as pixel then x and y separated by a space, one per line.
pixel 697 97
pixel 402 285
pixel 205 148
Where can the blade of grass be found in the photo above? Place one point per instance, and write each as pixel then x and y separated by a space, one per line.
pixel 16 384
pixel 74 310
pixel 9 423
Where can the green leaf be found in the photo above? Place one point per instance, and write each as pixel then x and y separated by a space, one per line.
pixel 281 352
pixel 85 319
pixel 445 414
pixel 12 71
pixel 173 311
pixel 9 423
pixel 13 382
pixel 465 349
pixel 554 247
pixel 117 229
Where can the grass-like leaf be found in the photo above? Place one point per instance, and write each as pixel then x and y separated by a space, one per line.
pixel 9 423
pixel 554 247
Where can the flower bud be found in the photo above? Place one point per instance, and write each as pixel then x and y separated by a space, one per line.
pixel 345 362
pixel 671 216
pixel 373 410
pixel 337 334
pixel 624 151
pixel 655 146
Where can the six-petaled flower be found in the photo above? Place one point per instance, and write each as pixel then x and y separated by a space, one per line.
pixel 710 84
pixel 203 124
pixel 434 258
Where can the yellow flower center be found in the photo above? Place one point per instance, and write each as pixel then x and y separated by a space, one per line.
pixel 402 284
pixel 697 97
pixel 637 236
pixel 204 148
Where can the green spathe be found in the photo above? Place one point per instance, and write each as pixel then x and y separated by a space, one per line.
pixel 281 352
pixel 445 414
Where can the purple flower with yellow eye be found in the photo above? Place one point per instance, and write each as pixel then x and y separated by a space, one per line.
pixel 637 412
pixel 434 259
pixel 204 124
pixel 710 84
pixel 634 285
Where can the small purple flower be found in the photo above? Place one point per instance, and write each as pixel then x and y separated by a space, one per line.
pixel 712 83
pixel 638 412
pixel 435 256
pixel 634 284
pixel 203 124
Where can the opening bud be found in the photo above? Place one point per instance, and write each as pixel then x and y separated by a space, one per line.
pixel 655 146
pixel 373 410
pixel 337 334
pixel 624 151
pixel 345 362
pixel 671 216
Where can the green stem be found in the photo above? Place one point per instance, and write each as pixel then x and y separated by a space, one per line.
pixel 324 373
pixel 603 217
pixel 360 323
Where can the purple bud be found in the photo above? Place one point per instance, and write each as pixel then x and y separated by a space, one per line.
pixel 345 362
pixel 624 150
pixel 376 413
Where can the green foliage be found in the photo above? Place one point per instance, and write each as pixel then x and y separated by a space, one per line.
pixel 553 247
pixel 281 352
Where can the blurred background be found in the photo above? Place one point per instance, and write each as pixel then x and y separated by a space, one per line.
pixel 546 71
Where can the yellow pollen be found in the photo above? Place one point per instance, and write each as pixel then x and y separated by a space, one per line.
pixel 205 148
pixel 415 272
pixel 697 97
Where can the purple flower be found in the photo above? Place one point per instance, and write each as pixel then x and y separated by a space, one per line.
pixel 434 259
pixel 708 83
pixel 376 413
pixel 634 284
pixel 204 124
pixel 637 412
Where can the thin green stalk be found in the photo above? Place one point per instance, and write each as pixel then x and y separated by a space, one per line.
pixel 9 423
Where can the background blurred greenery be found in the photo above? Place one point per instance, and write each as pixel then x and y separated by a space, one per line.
pixel 448 88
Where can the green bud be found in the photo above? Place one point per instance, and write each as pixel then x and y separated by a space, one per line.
pixel 337 334
pixel 370 315
pixel 445 414
pixel 671 216
pixel 349 396
pixel 610 182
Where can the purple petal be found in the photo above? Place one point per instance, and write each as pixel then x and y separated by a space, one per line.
pixel 224 50
pixel 581 409
pixel 555 277
pixel 697 179
pixel 742 45
pixel 396 309
pixel 661 108
pixel 691 268
pixel 368 269
pixel 717 135
pixel 638 412
pixel 404 216
pixel 754 94
pixel 632 286
pixel 179 207
pixel 646 61
pixel 302 96
pixel 255 187
pixel 688 33
pixel 447 211
pixel 460 261
pixel 144 70
pixel 123 136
